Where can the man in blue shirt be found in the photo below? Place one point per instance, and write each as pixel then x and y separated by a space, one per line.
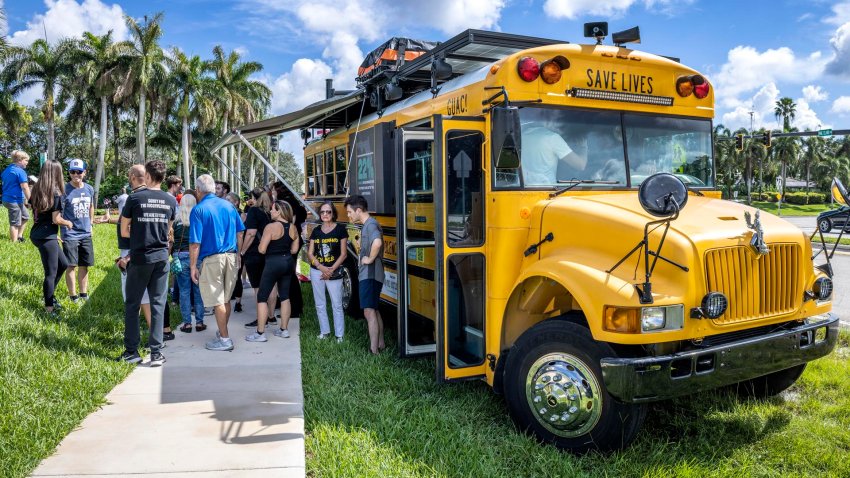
pixel 78 207
pixel 16 193
pixel 215 234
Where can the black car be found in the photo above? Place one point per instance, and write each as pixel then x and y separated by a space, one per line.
pixel 837 218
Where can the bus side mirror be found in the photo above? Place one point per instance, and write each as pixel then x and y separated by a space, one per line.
pixel 507 137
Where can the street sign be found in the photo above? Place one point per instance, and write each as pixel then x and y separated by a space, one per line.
pixel 825 132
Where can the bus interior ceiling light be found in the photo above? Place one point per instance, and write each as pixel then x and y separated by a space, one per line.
pixel 550 70
pixel 528 68
pixel 589 94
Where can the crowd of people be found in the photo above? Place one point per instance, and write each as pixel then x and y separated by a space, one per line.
pixel 200 241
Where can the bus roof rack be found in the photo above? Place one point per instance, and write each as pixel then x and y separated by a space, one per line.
pixel 464 53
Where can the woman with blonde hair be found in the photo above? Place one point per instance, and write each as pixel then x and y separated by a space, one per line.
pixel 46 201
pixel 279 244
pixel 185 284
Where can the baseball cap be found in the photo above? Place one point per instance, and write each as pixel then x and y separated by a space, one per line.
pixel 76 165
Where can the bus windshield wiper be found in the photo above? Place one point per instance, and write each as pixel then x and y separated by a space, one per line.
pixel 576 182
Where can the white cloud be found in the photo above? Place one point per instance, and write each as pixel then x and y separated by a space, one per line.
pixel 761 105
pixel 840 64
pixel 572 9
pixel 842 14
pixel 747 69
pixel 814 94
pixel 841 106
pixel 805 118
pixel 69 19
pixel 302 85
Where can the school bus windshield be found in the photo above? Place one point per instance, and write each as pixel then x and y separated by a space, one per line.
pixel 561 145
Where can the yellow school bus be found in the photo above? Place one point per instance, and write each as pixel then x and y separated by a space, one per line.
pixel 552 227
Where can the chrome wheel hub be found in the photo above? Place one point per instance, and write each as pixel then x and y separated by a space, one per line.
pixel 563 395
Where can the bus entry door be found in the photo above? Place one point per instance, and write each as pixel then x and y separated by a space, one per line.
pixel 460 266
pixel 416 251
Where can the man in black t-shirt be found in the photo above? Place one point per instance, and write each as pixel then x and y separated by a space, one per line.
pixel 146 219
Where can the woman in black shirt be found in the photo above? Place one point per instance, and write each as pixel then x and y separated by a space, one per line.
pixel 46 201
pixel 327 252
pixel 256 219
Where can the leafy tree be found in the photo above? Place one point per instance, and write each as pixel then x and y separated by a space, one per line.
pixel 786 109
pixel 146 69
pixel 45 65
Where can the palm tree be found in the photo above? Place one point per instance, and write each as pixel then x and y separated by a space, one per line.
pixel 101 64
pixel 785 109
pixel 815 153
pixel 192 89
pixel 145 69
pixel 238 98
pixel 786 151
pixel 44 65
pixel 14 116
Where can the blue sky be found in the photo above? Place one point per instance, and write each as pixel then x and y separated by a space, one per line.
pixel 754 52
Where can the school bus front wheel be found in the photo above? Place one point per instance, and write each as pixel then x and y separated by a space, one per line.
pixel 554 390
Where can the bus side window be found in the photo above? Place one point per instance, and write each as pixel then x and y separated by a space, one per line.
pixel 464 185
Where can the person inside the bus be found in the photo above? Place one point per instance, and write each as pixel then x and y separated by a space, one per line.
pixel 546 156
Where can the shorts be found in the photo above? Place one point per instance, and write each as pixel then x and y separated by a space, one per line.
pixel 79 252
pixel 18 213
pixel 254 267
pixel 218 278
pixel 370 293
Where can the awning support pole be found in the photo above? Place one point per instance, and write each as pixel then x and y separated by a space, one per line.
pixel 216 156
pixel 265 162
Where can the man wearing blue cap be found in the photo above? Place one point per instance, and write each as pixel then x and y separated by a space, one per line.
pixel 78 207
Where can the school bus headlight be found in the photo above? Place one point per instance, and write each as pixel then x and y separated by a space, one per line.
pixel 671 317
pixel 823 288
pixel 550 70
pixel 528 68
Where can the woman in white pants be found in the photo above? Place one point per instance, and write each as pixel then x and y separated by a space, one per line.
pixel 327 253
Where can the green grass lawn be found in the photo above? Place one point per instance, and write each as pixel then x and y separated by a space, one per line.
pixel 53 373
pixel 792 209
pixel 382 416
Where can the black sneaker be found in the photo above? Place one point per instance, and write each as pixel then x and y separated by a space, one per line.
pixel 272 320
pixel 21 239
pixel 167 336
pixel 129 357
pixel 251 325
pixel 157 359
pixel 238 307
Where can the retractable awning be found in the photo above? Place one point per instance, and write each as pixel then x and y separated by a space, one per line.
pixel 322 114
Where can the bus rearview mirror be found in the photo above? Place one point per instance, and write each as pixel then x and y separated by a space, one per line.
pixel 506 137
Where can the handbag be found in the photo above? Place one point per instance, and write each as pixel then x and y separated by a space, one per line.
pixel 176 266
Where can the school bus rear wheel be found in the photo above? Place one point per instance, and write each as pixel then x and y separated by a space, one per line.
pixel 554 390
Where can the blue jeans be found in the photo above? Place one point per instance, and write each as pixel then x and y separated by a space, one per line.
pixel 187 287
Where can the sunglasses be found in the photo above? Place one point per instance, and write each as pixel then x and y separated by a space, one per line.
pixel 326 212
pixel 76 172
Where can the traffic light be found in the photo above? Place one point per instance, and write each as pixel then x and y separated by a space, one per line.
pixel 273 143
pixel 739 142
pixel 765 139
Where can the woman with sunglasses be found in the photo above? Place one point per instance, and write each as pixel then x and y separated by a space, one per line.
pixel 46 201
pixel 327 252
pixel 279 244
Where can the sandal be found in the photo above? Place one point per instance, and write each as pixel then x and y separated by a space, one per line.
pixel 200 327
pixel 187 328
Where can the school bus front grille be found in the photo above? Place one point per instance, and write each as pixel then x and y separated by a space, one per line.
pixel 757 287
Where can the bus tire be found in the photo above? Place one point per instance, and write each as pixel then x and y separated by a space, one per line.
pixel 350 289
pixel 554 389
pixel 770 384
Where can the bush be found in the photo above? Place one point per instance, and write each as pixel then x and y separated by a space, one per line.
pixel 800 198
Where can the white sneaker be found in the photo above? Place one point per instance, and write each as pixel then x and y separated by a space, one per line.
pixel 339 340
pixel 322 336
pixel 256 337
pixel 282 333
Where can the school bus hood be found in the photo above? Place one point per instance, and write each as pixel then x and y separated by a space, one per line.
pixel 614 223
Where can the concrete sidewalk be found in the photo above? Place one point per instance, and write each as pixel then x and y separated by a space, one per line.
pixel 202 414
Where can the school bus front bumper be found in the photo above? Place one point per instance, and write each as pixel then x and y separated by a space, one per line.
pixel 649 379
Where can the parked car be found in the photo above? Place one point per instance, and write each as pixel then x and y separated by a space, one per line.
pixel 837 218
